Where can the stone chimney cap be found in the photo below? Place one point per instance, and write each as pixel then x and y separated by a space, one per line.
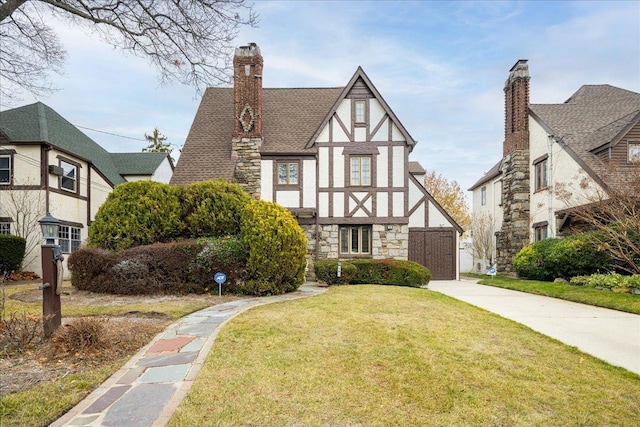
pixel 522 63
pixel 251 50
pixel 519 71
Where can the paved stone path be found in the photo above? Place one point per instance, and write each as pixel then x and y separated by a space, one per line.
pixel 146 391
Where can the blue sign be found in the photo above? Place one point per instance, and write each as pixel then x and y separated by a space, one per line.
pixel 492 271
pixel 220 278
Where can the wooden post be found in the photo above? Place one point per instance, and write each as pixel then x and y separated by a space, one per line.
pixel 51 307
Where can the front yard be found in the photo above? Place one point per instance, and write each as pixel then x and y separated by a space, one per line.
pixel 380 356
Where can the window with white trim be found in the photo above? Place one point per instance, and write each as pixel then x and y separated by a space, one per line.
pixel 634 152
pixel 360 170
pixel 483 196
pixel 69 238
pixel 360 111
pixel 287 173
pixel 5 169
pixel 355 239
pixel 69 178
pixel 5 228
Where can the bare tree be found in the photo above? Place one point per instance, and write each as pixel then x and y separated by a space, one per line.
pixel 25 207
pixel 614 213
pixel 482 235
pixel 187 41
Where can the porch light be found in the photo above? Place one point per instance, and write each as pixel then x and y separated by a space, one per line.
pixel 49 226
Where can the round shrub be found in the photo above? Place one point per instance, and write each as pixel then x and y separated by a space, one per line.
pixel 530 261
pixel 576 255
pixel 12 250
pixel 276 248
pixel 218 254
pixel 327 271
pixel 212 208
pixel 137 213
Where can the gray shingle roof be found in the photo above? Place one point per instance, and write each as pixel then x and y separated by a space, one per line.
pixel 138 163
pixel 416 167
pixel 591 118
pixel 40 123
pixel 289 119
pixel 495 171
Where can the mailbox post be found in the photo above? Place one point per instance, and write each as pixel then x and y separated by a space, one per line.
pixel 51 254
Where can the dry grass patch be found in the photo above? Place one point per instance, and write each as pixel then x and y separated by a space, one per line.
pixel 381 356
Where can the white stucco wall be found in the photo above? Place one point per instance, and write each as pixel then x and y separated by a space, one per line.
pixel 266 180
pixel 436 219
pixel 163 173
pixel 309 183
pixel 288 199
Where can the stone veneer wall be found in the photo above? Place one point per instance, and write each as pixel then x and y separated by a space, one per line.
pixel 393 243
pixel 514 234
pixel 246 153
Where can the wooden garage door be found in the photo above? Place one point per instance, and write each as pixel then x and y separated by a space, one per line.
pixel 435 248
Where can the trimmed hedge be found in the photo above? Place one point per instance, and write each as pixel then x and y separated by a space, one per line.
pixel 137 213
pixel 12 250
pixel 212 208
pixel 373 271
pixel 530 261
pixel 276 248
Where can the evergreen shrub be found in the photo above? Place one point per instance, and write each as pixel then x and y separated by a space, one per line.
pixel 137 213
pixel 373 271
pixel 576 255
pixel 212 208
pixel 12 249
pixel 531 261
pixel 276 249
pixel 219 254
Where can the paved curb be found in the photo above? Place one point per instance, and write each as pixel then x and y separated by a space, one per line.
pixel 146 391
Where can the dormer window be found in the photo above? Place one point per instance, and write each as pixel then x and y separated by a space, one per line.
pixel 360 111
pixel 634 152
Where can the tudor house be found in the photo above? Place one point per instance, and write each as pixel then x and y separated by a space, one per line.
pixel 556 157
pixel 337 158
pixel 49 165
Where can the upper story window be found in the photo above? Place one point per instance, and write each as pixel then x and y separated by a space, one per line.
pixel 360 170
pixel 483 196
pixel 634 151
pixel 355 240
pixel 6 171
pixel 69 238
pixel 288 173
pixel 541 175
pixel 360 111
pixel 69 178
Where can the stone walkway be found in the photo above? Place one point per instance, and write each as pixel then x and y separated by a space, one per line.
pixel 147 390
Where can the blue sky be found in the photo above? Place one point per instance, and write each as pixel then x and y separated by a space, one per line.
pixel 441 67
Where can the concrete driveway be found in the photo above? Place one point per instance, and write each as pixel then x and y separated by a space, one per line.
pixel 610 335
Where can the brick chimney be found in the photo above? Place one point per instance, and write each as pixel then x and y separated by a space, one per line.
pixel 247 130
pixel 516 108
pixel 247 91
pixel 515 231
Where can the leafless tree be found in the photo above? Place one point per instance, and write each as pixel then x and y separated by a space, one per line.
pixel 25 207
pixel 614 212
pixel 187 41
pixel 482 234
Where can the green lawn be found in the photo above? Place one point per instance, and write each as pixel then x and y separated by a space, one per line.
pixel 395 356
pixel 601 298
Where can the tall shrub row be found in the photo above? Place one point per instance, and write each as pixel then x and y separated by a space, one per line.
pixel 548 259
pixel 260 241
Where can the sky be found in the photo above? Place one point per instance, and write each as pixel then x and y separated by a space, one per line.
pixel 440 66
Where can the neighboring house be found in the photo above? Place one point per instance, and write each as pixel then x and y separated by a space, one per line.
pixel 48 165
pixel 556 157
pixel 337 158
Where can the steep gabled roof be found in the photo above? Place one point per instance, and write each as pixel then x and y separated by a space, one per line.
pixel 361 76
pixel 495 171
pixel 138 163
pixel 289 118
pixel 593 118
pixel 40 123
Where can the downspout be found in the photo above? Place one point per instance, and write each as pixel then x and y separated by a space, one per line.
pixel 317 251
pixel 551 217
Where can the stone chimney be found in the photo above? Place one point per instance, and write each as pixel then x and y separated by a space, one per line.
pixel 247 130
pixel 515 232
pixel 516 108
